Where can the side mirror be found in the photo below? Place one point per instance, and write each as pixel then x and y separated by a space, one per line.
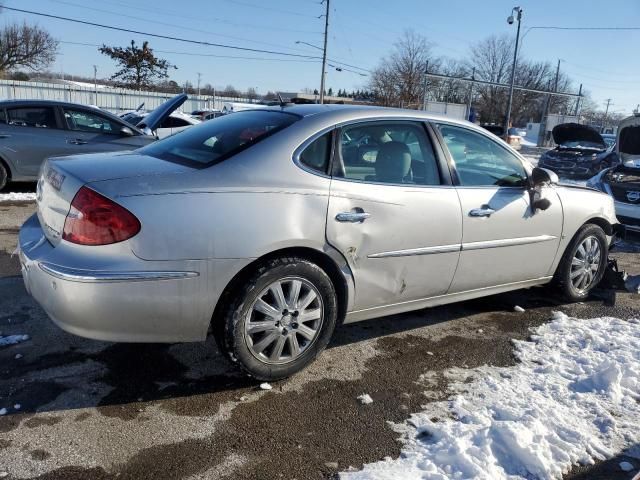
pixel 540 176
pixel 126 132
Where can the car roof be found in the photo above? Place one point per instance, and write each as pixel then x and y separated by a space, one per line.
pixel 339 113
pixel 51 103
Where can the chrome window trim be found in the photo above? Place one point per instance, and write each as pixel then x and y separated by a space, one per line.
pixel 301 148
pixel 92 276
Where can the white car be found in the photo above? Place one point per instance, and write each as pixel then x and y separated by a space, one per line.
pixel 622 182
pixel 172 124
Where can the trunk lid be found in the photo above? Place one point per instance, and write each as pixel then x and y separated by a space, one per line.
pixel 152 121
pixel 574 135
pixel 61 178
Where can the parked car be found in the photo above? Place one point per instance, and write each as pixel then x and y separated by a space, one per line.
pixel 271 227
pixel 580 151
pixel 32 130
pixel 211 115
pixel 513 137
pixel 623 181
pixel 609 139
pixel 174 123
pixel 231 107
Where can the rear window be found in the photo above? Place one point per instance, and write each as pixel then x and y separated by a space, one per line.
pixel 212 142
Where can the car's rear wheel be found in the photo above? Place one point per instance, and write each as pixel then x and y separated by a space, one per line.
pixel 280 320
pixel 4 176
pixel 583 263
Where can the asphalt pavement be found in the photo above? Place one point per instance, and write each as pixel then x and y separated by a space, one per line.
pixel 82 409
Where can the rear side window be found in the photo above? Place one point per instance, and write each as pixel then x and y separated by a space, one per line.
pixel 175 122
pixel 211 142
pixel 38 117
pixel 316 155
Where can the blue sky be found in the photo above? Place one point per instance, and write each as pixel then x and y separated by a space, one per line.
pixel 361 32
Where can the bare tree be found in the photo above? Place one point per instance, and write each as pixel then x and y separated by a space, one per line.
pixel 26 46
pixel 399 78
pixel 139 67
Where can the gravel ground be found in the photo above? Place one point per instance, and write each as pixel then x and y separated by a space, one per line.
pixel 99 410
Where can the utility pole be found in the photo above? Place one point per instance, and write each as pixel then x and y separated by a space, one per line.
pixel 425 85
pixel 199 75
pixel 95 85
pixel 606 112
pixel 473 77
pixel 578 101
pixel 518 17
pixel 324 51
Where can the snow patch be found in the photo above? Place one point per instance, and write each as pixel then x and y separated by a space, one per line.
pixel 574 398
pixel 12 339
pixel 365 399
pixel 17 197
pixel 265 386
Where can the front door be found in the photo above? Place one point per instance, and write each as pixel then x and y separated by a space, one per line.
pixel 92 132
pixel 390 215
pixel 503 241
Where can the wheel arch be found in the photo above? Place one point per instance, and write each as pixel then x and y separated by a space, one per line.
pixel 334 265
pixel 8 167
pixel 602 223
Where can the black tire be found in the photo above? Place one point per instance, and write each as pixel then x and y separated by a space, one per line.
pixel 230 331
pixel 4 176
pixel 563 273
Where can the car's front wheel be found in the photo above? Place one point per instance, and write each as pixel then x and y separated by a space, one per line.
pixel 280 319
pixel 583 263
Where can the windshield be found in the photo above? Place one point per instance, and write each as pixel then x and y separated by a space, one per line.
pixel 211 142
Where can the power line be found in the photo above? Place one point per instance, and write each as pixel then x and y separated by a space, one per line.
pixel 235 57
pixel 582 28
pixel 165 24
pixel 156 35
pixel 278 10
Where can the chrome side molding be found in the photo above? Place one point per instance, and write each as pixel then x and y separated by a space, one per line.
pixel 93 276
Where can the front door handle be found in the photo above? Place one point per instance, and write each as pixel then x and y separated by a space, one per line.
pixel 485 211
pixel 352 217
pixel 77 141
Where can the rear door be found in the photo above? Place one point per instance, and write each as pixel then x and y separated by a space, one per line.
pixel 503 242
pixel 30 135
pixel 391 213
pixel 89 131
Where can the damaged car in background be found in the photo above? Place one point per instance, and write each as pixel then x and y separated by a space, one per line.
pixel 33 130
pixel 580 152
pixel 269 228
pixel 622 182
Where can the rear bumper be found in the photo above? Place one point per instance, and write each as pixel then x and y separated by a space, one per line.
pixel 121 298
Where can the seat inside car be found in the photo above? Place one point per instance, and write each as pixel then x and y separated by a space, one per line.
pixel 393 163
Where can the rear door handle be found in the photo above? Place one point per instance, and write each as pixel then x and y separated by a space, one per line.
pixel 4 135
pixel 77 141
pixel 352 217
pixel 485 211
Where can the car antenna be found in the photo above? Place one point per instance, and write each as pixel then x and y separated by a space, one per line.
pixel 282 102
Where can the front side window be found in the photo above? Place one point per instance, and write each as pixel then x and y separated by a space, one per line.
pixel 387 152
pixel 481 161
pixel 211 142
pixel 37 117
pixel 84 121
pixel 316 155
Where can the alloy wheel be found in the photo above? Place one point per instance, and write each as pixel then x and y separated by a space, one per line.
pixel 585 264
pixel 284 320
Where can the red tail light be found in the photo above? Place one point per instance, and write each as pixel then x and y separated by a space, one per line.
pixel 96 220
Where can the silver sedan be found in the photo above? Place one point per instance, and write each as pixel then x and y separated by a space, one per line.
pixel 271 227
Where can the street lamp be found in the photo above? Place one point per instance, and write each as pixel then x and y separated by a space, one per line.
pixel 516 14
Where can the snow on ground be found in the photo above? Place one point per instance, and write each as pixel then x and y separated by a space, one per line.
pixel 12 339
pixel 17 197
pixel 573 398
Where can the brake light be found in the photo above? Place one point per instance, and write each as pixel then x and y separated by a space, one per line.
pixel 96 220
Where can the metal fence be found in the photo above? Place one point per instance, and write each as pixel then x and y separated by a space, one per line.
pixel 113 99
